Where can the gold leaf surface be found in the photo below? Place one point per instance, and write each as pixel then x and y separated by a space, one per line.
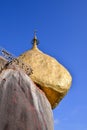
pixel 48 74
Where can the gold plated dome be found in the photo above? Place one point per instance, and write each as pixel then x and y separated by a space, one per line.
pixel 48 74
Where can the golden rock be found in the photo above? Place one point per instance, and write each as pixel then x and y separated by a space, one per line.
pixel 48 74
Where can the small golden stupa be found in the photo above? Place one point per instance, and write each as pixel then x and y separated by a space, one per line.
pixel 48 74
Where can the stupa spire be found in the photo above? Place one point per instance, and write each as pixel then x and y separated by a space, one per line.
pixel 35 40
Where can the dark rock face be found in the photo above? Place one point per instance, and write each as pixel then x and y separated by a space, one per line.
pixel 23 106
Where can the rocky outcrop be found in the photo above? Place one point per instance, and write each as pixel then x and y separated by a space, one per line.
pixel 23 106
pixel 2 62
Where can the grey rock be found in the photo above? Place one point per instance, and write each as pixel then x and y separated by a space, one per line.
pixel 23 106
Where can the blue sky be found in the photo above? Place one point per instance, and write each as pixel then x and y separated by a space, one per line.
pixel 62 31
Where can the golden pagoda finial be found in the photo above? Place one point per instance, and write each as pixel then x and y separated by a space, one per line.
pixel 35 40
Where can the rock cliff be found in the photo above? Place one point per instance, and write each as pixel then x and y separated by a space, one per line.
pixel 23 106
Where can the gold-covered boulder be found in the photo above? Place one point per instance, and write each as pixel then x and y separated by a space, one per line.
pixel 48 74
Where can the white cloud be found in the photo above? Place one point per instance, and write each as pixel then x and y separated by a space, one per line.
pixel 56 121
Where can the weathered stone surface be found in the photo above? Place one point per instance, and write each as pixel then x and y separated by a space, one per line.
pixel 2 61
pixel 23 106
pixel 48 74
pixel 4 64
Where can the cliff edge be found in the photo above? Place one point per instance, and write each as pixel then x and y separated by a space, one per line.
pixel 23 106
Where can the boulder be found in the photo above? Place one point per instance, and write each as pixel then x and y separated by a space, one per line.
pixel 48 74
